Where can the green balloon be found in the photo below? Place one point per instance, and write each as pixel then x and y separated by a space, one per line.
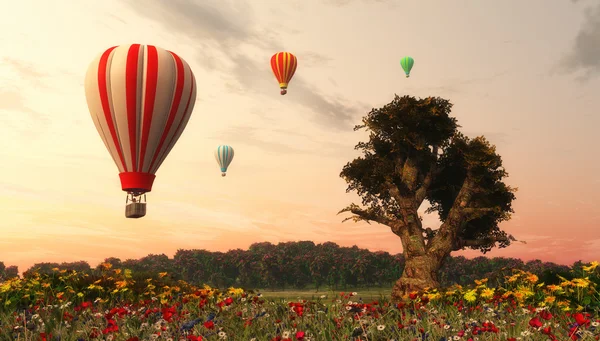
pixel 407 64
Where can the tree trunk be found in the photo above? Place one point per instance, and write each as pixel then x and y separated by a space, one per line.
pixel 420 272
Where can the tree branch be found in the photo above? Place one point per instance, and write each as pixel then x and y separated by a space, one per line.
pixel 461 244
pixel 366 215
pixel 422 191
pixel 471 213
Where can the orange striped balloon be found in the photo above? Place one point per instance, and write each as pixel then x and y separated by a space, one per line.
pixel 284 66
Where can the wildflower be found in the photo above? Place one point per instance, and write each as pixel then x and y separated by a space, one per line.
pixel 593 265
pixel 553 287
pixel 581 282
pixel 487 293
pixel 380 327
pixel 532 278
pixel 470 296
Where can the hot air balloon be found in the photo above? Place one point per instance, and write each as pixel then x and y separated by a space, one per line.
pixel 407 64
pixel 224 155
pixel 140 98
pixel 284 65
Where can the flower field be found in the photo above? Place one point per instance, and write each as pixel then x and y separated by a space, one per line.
pixel 112 305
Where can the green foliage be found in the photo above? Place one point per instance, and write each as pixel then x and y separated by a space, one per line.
pixel 305 264
pixel 406 137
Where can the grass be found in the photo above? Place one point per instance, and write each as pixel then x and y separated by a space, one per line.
pixel 311 294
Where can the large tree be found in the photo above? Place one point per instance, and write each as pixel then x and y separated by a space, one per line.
pixel 416 153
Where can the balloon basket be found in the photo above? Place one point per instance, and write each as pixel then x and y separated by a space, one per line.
pixel 135 205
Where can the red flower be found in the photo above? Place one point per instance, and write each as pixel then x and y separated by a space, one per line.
pixel 535 322
pixel 581 320
pixel 209 324
pixel 300 335
pixel 545 314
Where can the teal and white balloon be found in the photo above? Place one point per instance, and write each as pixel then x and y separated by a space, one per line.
pixel 224 155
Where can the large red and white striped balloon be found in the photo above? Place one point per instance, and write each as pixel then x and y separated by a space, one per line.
pixel 140 98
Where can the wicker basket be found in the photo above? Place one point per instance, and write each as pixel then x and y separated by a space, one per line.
pixel 135 210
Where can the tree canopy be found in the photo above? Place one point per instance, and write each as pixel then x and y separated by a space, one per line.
pixel 416 153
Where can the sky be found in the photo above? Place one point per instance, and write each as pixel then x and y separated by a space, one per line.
pixel 525 74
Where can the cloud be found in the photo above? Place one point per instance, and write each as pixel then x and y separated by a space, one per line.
pixel 13 101
pixel 223 33
pixel 25 70
pixel 455 86
pixel 277 138
pixel 585 55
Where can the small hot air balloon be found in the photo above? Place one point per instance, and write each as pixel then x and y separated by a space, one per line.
pixel 224 155
pixel 140 98
pixel 284 65
pixel 407 64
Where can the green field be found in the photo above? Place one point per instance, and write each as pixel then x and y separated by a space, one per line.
pixel 364 293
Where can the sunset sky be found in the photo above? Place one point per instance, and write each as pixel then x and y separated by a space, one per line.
pixel 526 74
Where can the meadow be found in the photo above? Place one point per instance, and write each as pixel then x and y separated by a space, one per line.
pixel 112 305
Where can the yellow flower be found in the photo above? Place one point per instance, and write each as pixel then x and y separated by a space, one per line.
pixel 581 282
pixel 487 293
pixel 434 296
pixel 550 299
pixel 55 269
pixel 513 278
pixel 162 274
pixel 79 294
pixel 5 287
pixel 117 271
pixel 482 281
pixel 470 296
pixel 106 266
pixel 235 291
pixel 121 284
pixel 532 278
pixel 593 265
pixel 553 287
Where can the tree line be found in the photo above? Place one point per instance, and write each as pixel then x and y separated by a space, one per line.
pixel 303 265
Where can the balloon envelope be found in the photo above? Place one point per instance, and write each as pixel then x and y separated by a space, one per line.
pixel 407 64
pixel 140 98
pixel 284 66
pixel 224 156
